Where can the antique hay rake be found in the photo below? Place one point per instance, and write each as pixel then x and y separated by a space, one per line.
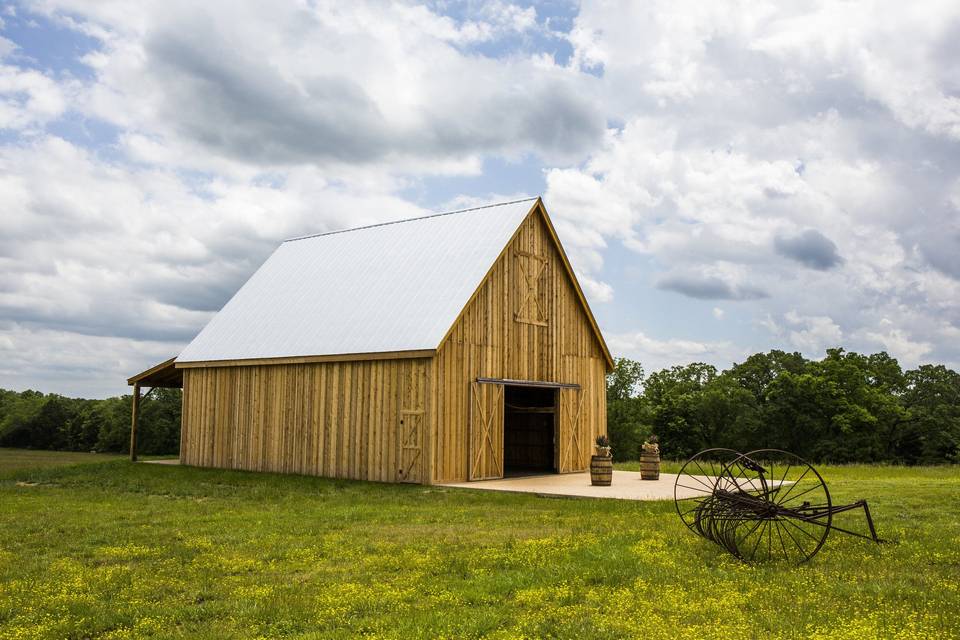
pixel 762 505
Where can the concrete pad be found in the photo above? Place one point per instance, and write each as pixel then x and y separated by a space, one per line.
pixel 172 461
pixel 626 485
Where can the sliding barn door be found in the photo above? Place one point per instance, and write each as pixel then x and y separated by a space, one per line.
pixel 412 416
pixel 575 442
pixel 486 431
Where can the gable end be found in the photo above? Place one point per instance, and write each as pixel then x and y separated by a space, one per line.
pixel 529 267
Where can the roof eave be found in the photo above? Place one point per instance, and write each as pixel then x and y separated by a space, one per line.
pixel 337 357
pixel 160 375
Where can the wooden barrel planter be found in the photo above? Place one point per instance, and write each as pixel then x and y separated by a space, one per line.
pixel 649 464
pixel 601 471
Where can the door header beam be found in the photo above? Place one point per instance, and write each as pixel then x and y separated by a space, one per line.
pixel 529 383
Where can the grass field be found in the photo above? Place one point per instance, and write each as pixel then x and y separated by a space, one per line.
pixel 116 550
pixel 15 460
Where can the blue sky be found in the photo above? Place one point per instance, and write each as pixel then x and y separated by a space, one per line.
pixel 726 179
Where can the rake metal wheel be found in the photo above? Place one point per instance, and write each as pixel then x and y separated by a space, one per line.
pixel 696 481
pixel 774 505
pixel 767 504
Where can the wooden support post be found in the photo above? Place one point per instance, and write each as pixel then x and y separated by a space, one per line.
pixel 134 418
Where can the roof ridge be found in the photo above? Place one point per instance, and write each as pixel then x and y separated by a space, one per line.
pixel 432 215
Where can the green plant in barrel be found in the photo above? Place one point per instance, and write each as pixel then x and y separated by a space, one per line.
pixel 650 459
pixel 603 445
pixel 601 465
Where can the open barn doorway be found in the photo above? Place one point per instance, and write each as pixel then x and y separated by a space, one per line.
pixel 529 430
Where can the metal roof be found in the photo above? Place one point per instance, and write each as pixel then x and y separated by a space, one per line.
pixel 397 286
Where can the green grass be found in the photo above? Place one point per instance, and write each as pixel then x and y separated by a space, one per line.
pixel 15 460
pixel 117 550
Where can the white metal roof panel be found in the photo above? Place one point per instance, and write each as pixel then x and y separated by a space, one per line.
pixel 392 287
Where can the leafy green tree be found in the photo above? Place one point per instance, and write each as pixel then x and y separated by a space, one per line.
pixel 625 380
pixel 844 408
pixel 727 415
pixel 673 397
pixel 77 433
pixel 18 411
pixel 31 419
pixel 113 417
pixel 160 422
pixel 932 398
pixel 624 409
pixel 795 415
pixel 40 426
pixel 757 373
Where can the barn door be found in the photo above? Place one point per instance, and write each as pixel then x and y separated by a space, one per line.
pixel 485 455
pixel 411 417
pixel 411 446
pixel 574 436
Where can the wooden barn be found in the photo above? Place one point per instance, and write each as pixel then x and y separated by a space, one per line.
pixel 453 347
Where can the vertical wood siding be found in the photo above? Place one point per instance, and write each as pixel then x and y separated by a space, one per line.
pixel 408 420
pixel 485 448
pixel 488 340
pixel 335 419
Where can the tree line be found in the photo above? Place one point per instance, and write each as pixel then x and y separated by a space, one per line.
pixel 30 419
pixel 847 407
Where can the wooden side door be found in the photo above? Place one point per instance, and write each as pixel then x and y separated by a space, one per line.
pixel 485 453
pixel 574 440
pixel 411 417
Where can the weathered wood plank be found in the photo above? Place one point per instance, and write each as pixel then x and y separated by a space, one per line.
pixel 503 333
pixel 330 418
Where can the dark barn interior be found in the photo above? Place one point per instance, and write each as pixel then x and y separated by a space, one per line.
pixel 528 430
